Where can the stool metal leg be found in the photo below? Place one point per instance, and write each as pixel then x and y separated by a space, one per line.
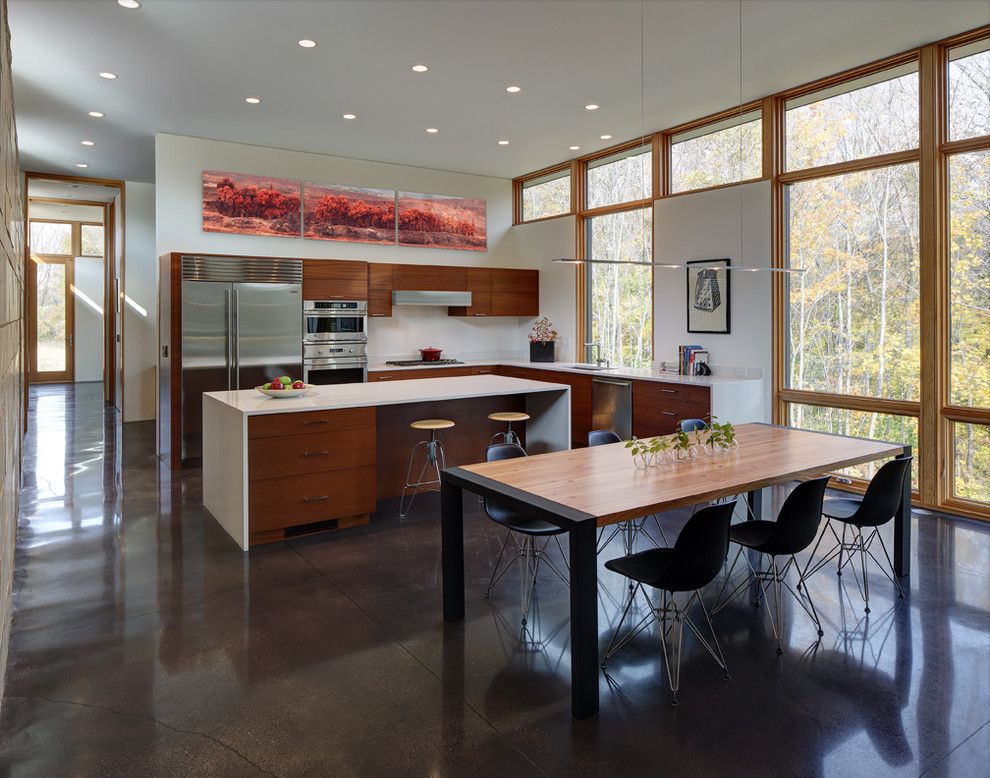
pixel 436 457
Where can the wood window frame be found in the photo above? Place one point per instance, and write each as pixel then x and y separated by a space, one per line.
pixel 518 184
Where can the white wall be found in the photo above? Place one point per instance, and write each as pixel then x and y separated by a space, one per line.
pixel 706 225
pixel 537 244
pixel 140 308
pixel 89 307
pixel 179 162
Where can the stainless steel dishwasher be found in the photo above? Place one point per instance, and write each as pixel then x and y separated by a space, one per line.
pixel 611 405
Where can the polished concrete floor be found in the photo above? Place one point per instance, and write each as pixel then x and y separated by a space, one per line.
pixel 145 643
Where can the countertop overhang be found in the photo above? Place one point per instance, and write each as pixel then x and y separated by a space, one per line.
pixel 323 398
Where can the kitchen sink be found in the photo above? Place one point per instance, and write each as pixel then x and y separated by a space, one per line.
pixel 595 368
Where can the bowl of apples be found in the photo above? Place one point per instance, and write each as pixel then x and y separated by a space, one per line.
pixel 284 386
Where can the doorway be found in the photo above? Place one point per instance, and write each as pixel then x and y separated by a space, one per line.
pixel 74 240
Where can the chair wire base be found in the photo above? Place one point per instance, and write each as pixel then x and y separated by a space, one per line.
pixel 858 545
pixel 671 617
pixel 773 577
pixel 436 457
pixel 530 554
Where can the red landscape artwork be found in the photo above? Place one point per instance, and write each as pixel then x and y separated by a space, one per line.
pixel 442 221
pixel 348 213
pixel 250 205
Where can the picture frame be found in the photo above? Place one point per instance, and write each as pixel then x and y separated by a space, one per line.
pixel 708 296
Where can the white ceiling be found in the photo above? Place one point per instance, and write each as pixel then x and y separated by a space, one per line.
pixel 185 67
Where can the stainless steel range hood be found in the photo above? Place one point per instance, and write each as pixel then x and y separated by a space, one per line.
pixel 414 297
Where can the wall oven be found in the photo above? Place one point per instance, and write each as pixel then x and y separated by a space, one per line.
pixel 340 362
pixel 326 321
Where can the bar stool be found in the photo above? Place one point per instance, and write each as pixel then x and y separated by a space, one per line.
pixel 434 456
pixel 508 417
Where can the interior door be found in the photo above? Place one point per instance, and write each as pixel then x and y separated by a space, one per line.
pixel 269 332
pixel 51 318
pixel 205 349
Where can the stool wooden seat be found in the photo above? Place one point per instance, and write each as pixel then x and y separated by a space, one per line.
pixel 508 416
pixel 433 424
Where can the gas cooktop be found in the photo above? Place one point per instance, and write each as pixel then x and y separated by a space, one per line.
pixel 423 363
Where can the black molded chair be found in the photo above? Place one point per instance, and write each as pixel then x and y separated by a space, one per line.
pixel 529 551
pixel 870 512
pixel 628 529
pixel 693 425
pixel 692 563
pixel 795 529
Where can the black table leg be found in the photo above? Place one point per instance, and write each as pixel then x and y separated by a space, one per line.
pixel 755 500
pixel 902 527
pixel 584 620
pixel 452 551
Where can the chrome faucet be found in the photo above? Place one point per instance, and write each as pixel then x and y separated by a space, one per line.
pixel 600 362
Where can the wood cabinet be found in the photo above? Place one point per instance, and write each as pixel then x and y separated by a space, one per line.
pixel 515 292
pixel 479 284
pixel 335 279
pixel 310 471
pixel 425 372
pixel 580 396
pixel 658 407
pixel 379 289
pixel 429 278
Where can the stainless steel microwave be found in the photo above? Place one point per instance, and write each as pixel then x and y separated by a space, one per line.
pixel 332 320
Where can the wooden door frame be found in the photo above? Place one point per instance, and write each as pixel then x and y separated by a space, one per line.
pixel 111 283
pixel 31 285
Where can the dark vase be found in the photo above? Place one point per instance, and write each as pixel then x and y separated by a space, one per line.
pixel 541 350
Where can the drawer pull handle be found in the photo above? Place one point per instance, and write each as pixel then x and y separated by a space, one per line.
pixel 479 314
pixel 378 314
pixel 669 391
pixel 668 413
pixel 315 421
pixel 321 498
pixel 316 453
pixel 384 378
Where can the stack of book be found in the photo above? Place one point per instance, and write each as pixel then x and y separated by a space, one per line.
pixel 689 357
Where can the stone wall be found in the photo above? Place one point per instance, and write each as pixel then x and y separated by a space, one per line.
pixel 11 336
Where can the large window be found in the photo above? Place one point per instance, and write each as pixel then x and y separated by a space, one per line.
pixel 546 196
pixel 969 90
pixel 91 240
pixel 621 177
pixel 874 115
pixel 620 297
pixel 721 153
pixel 51 237
pixel 854 312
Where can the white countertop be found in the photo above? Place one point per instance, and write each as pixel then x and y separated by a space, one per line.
pixel 642 373
pixel 251 402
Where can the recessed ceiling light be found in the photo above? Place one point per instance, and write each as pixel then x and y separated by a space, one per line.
pixel 108 75
pixel 513 89
pixel 420 68
pixel 88 142
pixel 306 43
pixel 503 143
pixel 96 114
pixel 432 130
pixel 574 148
pixel 128 3
pixel 81 164
pixel 606 137
pixel 252 100
pixel 591 107
pixel 349 116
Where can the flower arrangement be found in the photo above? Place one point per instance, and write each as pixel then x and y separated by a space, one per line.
pixel 543 331
pixel 715 439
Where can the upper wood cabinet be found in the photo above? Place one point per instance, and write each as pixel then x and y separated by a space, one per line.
pixel 429 278
pixel 479 284
pixel 335 279
pixel 379 289
pixel 515 292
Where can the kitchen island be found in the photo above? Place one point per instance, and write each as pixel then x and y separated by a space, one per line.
pixel 280 468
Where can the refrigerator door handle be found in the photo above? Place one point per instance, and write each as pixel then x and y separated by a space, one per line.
pixel 226 334
pixel 235 326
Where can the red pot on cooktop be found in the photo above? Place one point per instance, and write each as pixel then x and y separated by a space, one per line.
pixel 430 354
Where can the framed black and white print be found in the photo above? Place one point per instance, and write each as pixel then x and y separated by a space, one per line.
pixel 708 296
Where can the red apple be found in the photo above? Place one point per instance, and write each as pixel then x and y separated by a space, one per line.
pixel 298 385
pixel 277 386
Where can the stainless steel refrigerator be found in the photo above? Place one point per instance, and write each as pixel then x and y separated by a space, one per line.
pixel 241 326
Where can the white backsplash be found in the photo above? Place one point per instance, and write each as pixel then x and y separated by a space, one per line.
pixel 411 328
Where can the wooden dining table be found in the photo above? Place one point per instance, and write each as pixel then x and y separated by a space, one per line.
pixel 583 489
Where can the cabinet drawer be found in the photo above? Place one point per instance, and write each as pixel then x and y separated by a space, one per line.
pixel 279 424
pixel 484 370
pixel 419 372
pixel 303 499
pixel 658 407
pixel 310 453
